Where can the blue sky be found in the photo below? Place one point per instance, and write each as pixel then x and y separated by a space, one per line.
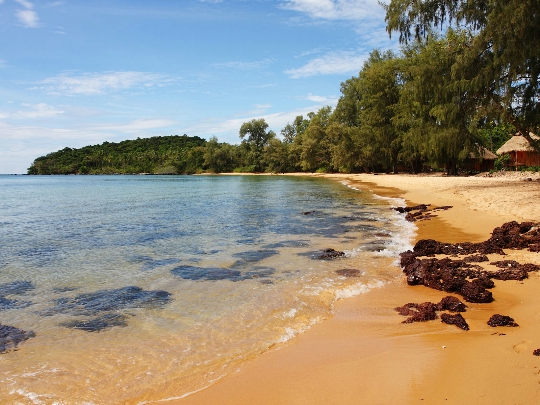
pixel 76 73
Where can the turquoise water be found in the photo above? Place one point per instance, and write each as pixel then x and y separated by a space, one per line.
pixel 143 288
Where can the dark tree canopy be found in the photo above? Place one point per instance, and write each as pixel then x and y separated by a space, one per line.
pixel 506 35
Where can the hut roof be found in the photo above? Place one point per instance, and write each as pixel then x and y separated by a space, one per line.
pixel 518 143
pixel 484 154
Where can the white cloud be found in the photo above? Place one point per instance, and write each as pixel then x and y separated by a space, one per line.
pixel 320 99
pixel 101 83
pixel 25 4
pixel 28 18
pixel 332 63
pixel 336 9
pixel 40 110
pixel 245 65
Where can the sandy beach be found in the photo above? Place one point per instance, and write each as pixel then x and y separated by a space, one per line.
pixel 365 355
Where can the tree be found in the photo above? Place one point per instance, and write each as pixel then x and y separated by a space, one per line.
pixel 438 111
pixel 505 35
pixel 257 138
pixel 379 93
pixel 315 142
pixel 219 157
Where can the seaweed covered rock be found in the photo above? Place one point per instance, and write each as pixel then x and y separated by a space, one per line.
pixel 501 320
pixel 456 320
pixel 452 304
pixel 418 312
pixel 329 254
pixel 98 324
pixel 450 276
pixel 475 259
pixel 511 235
pixel 10 337
pixel 474 291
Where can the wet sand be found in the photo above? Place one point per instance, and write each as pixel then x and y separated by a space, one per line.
pixel 365 355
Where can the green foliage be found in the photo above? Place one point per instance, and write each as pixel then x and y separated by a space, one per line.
pixel 160 155
pixel 255 137
pixel 505 38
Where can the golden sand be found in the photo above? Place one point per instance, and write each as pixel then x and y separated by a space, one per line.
pixel 364 355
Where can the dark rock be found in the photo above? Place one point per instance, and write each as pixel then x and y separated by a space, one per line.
pixel 529 267
pixel 206 273
pixel 98 324
pixel 110 300
pixel 418 312
pixel 506 264
pixel 474 291
pixel 475 259
pixel 456 319
pixel 64 289
pixel 501 320
pixel 536 352
pixel 451 304
pixel 6 304
pixel 259 272
pixel 149 263
pixel 510 274
pixel 443 208
pixel 10 337
pixel 329 254
pixel 349 272
pixel 256 255
pixel 16 288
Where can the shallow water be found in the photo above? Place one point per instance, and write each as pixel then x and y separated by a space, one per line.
pixel 144 288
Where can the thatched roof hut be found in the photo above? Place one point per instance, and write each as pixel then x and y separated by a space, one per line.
pixel 482 161
pixel 520 150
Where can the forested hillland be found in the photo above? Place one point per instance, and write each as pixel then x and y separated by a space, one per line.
pixel 157 155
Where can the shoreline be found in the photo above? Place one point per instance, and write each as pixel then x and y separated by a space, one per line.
pixel 364 355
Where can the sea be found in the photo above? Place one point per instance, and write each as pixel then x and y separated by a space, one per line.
pixel 139 289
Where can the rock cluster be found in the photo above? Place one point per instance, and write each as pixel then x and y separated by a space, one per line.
pixel 501 320
pixel 420 212
pixel 427 311
pixel 464 276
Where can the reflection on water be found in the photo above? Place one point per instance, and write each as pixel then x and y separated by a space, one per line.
pixel 142 288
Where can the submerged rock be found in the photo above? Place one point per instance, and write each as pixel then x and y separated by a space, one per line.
pixel 349 272
pixel 98 324
pixel 10 337
pixel 256 255
pixel 110 300
pixel 456 319
pixel 6 304
pixel 206 273
pixel 16 288
pixel 501 320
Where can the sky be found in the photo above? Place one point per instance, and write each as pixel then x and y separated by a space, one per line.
pixel 82 72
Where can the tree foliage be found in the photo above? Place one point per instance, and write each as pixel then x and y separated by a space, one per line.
pixel 160 154
pixel 505 35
